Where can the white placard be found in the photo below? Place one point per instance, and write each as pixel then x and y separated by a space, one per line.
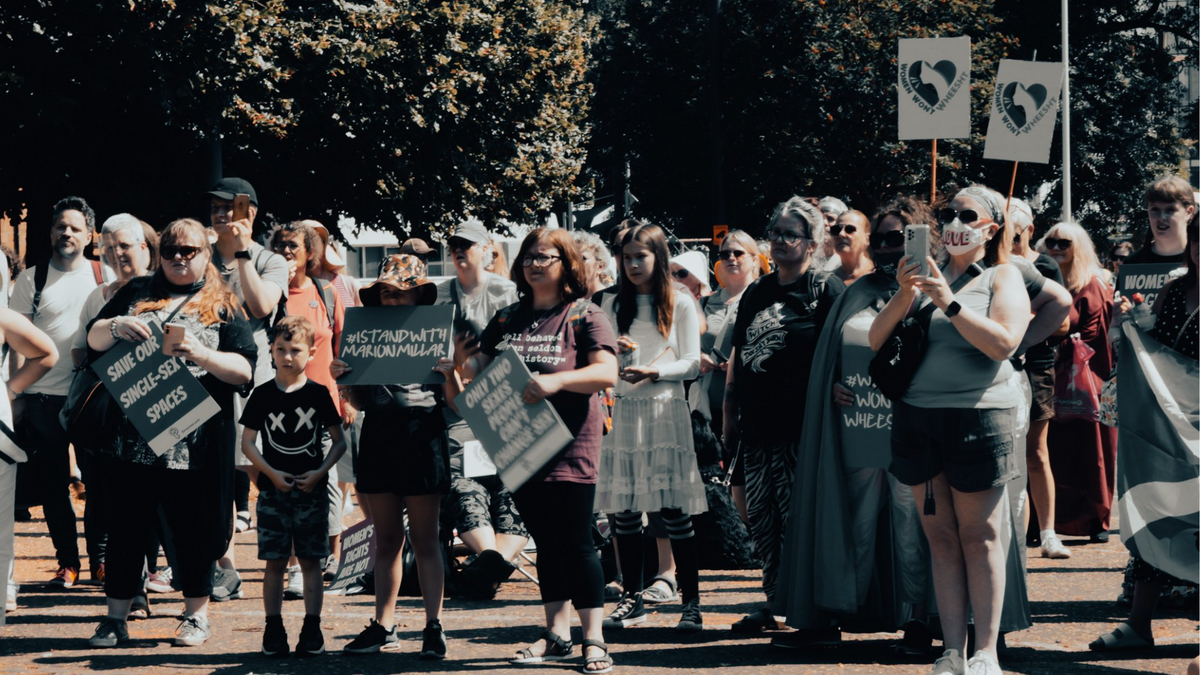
pixel 933 82
pixel 1024 111
pixel 476 462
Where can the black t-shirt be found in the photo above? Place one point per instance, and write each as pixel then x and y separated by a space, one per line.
pixel 1040 357
pixel 1147 256
pixel 292 425
pixel 775 335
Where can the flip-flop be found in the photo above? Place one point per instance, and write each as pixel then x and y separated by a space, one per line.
pixel 654 595
pixel 1122 637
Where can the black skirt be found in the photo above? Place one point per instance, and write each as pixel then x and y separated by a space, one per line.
pixel 404 451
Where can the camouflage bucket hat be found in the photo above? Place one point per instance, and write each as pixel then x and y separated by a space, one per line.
pixel 404 272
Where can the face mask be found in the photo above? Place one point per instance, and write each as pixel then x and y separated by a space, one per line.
pixel 887 262
pixel 959 238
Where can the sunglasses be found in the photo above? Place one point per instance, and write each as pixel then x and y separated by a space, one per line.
pixel 947 216
pixel 893 239
pixel 1116 258
pixel 170 252
pixel 730 254
pixel 681 274
pixel 838 229
pixel 1060 244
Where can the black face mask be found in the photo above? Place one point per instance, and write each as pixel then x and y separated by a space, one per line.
pixel 887 262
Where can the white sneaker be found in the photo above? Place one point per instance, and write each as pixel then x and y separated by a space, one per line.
pixel 983 663
pixel 294 590
pixel 1053 548
pixel 949 663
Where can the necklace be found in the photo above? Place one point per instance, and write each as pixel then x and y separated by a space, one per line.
pixel 540 317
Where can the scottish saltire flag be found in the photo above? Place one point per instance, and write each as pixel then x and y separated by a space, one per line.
pixel 1158 457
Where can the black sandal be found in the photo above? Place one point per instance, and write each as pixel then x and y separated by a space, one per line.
pixel 139 608
pixel 557 649
pixel 589 660
pixel 755 622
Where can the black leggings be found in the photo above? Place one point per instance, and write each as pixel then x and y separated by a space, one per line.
pixel 134 493
pixel 241 491
pixel 558 516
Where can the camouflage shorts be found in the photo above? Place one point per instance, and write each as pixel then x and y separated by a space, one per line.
pixel 293 519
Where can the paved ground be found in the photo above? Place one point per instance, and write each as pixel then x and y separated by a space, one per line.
pixel 1073 602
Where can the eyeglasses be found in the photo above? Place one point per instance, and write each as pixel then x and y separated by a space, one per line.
pixel 838 229
pixel 1060 244
pixel 286 246
pixel 776 234
pixel 730 254
pixel 170 252
pixel 893 239
pixel 681 274
pixel 947 216
pixel 539 260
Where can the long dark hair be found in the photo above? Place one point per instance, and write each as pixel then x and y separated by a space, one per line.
pixel 653 238
pixel 572 285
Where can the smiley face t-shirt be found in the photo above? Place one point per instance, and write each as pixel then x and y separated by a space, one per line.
pixel 292 426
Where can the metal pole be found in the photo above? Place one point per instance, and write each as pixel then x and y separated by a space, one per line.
pixel 1066 120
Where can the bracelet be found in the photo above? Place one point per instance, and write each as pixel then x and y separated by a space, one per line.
pixel 112 329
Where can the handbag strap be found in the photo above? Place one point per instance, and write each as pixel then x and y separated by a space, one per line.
pixel 7 431
pixel 925 314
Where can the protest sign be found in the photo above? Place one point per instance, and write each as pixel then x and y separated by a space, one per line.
pixel 519 437
pixel 358 555
pixel 934 88
pixel 395 345
pixel 1024 111
pixel 156 392
pixel 1147 279
pixel 866 429
pixel 476 462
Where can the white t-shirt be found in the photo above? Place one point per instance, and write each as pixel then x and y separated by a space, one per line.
pixel 95 302
pixel 57 316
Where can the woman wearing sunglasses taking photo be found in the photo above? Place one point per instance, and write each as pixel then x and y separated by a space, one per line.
pixel 1083 454
pixel 842 490
pixel 955 429
pixel 193 480
pixel 778 321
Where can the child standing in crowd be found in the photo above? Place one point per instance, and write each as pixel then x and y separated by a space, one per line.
pixel 295 415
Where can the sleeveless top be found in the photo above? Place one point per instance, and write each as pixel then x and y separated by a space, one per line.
pixel 954 373
pixel 1176 328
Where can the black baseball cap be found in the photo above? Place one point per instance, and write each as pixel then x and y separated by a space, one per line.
pixel 227 188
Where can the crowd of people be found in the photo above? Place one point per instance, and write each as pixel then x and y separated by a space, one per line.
pixel 640 356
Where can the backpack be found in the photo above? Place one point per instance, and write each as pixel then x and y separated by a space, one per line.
pixel 39 282
pixel 606 396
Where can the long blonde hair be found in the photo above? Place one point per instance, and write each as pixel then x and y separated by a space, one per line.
pixel 1085 264
pixel 215 303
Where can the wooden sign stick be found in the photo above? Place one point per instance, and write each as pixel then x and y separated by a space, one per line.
pixel 933 180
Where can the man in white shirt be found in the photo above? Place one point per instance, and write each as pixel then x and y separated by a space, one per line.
pixel 54 308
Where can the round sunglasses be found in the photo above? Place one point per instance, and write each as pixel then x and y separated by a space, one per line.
pixel 1058 244
pixel 836 230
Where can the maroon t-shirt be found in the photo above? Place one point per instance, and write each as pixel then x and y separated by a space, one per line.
pixel 548 342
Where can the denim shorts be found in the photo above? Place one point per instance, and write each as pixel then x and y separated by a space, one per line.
pixel 973 447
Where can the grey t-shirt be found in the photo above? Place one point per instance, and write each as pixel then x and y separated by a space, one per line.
pixel 273 268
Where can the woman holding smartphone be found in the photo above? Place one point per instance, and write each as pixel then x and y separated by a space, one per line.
pixel 193 480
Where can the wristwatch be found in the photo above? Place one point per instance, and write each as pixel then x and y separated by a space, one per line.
pixel 952 309
pixel 244 255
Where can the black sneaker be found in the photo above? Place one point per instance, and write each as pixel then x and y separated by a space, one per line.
pixel 110 633
pixel 374 638
pixel 433 642
pixel 227 585
pixel 629 612
pixel 311 642
pixel 275 640
pixel 691 620
pixel 809 638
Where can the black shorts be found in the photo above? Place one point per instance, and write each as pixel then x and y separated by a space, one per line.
pixel 294 520
pixel 403 452
pixel 1041 383
pixel 973 447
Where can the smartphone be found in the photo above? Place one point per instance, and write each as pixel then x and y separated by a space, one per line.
pixel 172 336
pixel 241 207
pixel 916 246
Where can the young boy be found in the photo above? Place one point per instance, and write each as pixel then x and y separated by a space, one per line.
pixel 295 416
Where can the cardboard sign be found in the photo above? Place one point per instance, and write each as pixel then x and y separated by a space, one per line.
pixel 476 462
pixel 866 428
pixel 358 556
pixel 395 345
pixel 520 438
pixel 1024 111
pixel 156 392
pixel 1147 279
pixel 933 82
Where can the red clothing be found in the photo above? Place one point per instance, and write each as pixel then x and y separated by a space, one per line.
pixel 1083 455
pixel 307 302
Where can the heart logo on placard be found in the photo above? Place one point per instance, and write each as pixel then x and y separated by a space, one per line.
pixel 1021 103
pixel 932 81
